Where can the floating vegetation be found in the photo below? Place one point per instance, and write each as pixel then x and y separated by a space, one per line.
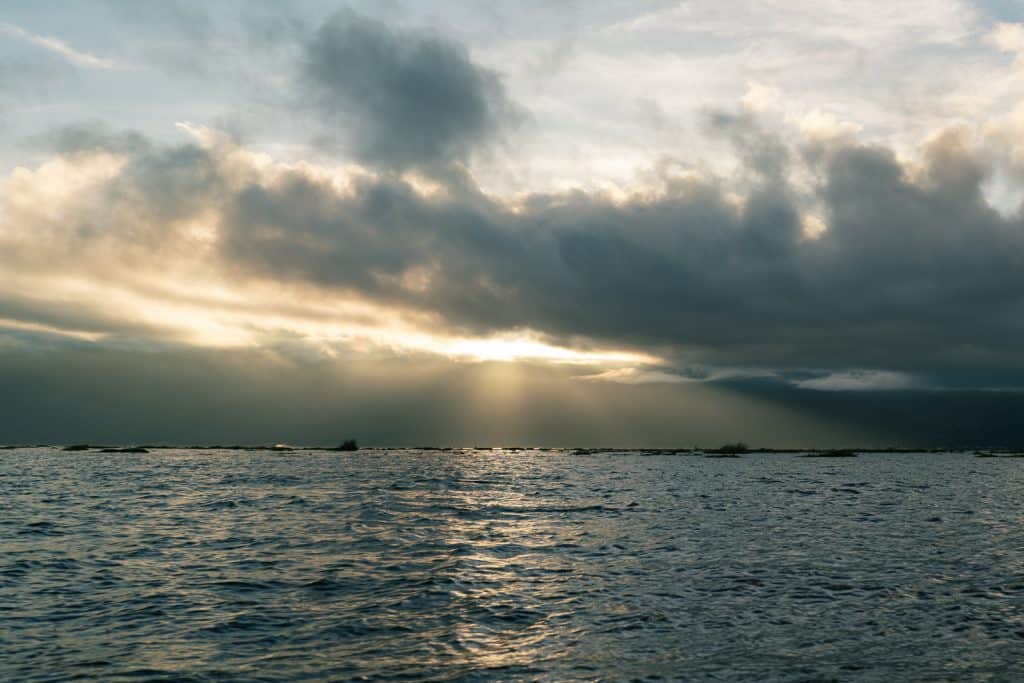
pixel 729 449
pixel 839 453
pixel 590 451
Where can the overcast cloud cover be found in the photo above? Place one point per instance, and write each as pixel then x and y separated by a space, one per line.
pixel 790 222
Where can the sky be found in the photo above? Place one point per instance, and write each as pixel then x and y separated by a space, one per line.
pixel 604 223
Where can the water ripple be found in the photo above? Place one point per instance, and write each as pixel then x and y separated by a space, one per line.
pixel 477 565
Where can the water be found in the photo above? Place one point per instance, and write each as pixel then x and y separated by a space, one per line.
pixel 489 565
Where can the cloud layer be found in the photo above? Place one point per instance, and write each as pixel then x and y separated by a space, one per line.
pixel 915 272
pixel 809 252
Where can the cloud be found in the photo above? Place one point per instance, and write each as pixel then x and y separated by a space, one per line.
pixel 914 272
pixel 911 270
pixel 637 376
pixel 761 97
pixel 403 98
pixel 815 252
pixel 776 250
pixel 658 375
pixel 859 380
pixel 760 150
pixel 818 125
pixel 61 48
pixel 1008 37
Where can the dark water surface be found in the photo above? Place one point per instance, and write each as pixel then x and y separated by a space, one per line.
pixel 306 566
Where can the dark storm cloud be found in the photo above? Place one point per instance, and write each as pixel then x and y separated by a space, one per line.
pixel 916 275
pixel 763 154
pixel 403 98
pixel 643 271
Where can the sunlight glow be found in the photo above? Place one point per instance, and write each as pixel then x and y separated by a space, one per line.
pixel 526 348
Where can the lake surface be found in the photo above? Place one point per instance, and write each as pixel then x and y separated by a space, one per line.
pixel 215 565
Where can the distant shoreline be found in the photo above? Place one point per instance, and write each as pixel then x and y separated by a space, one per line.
pixel 140 447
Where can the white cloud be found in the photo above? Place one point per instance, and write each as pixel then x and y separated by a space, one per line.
pixel 1008 37
pixel 860 380
pixel 761 97
pixel 59 47
pixel 654 375
pixel 636 376
pixel 823 125
pixel 813 226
